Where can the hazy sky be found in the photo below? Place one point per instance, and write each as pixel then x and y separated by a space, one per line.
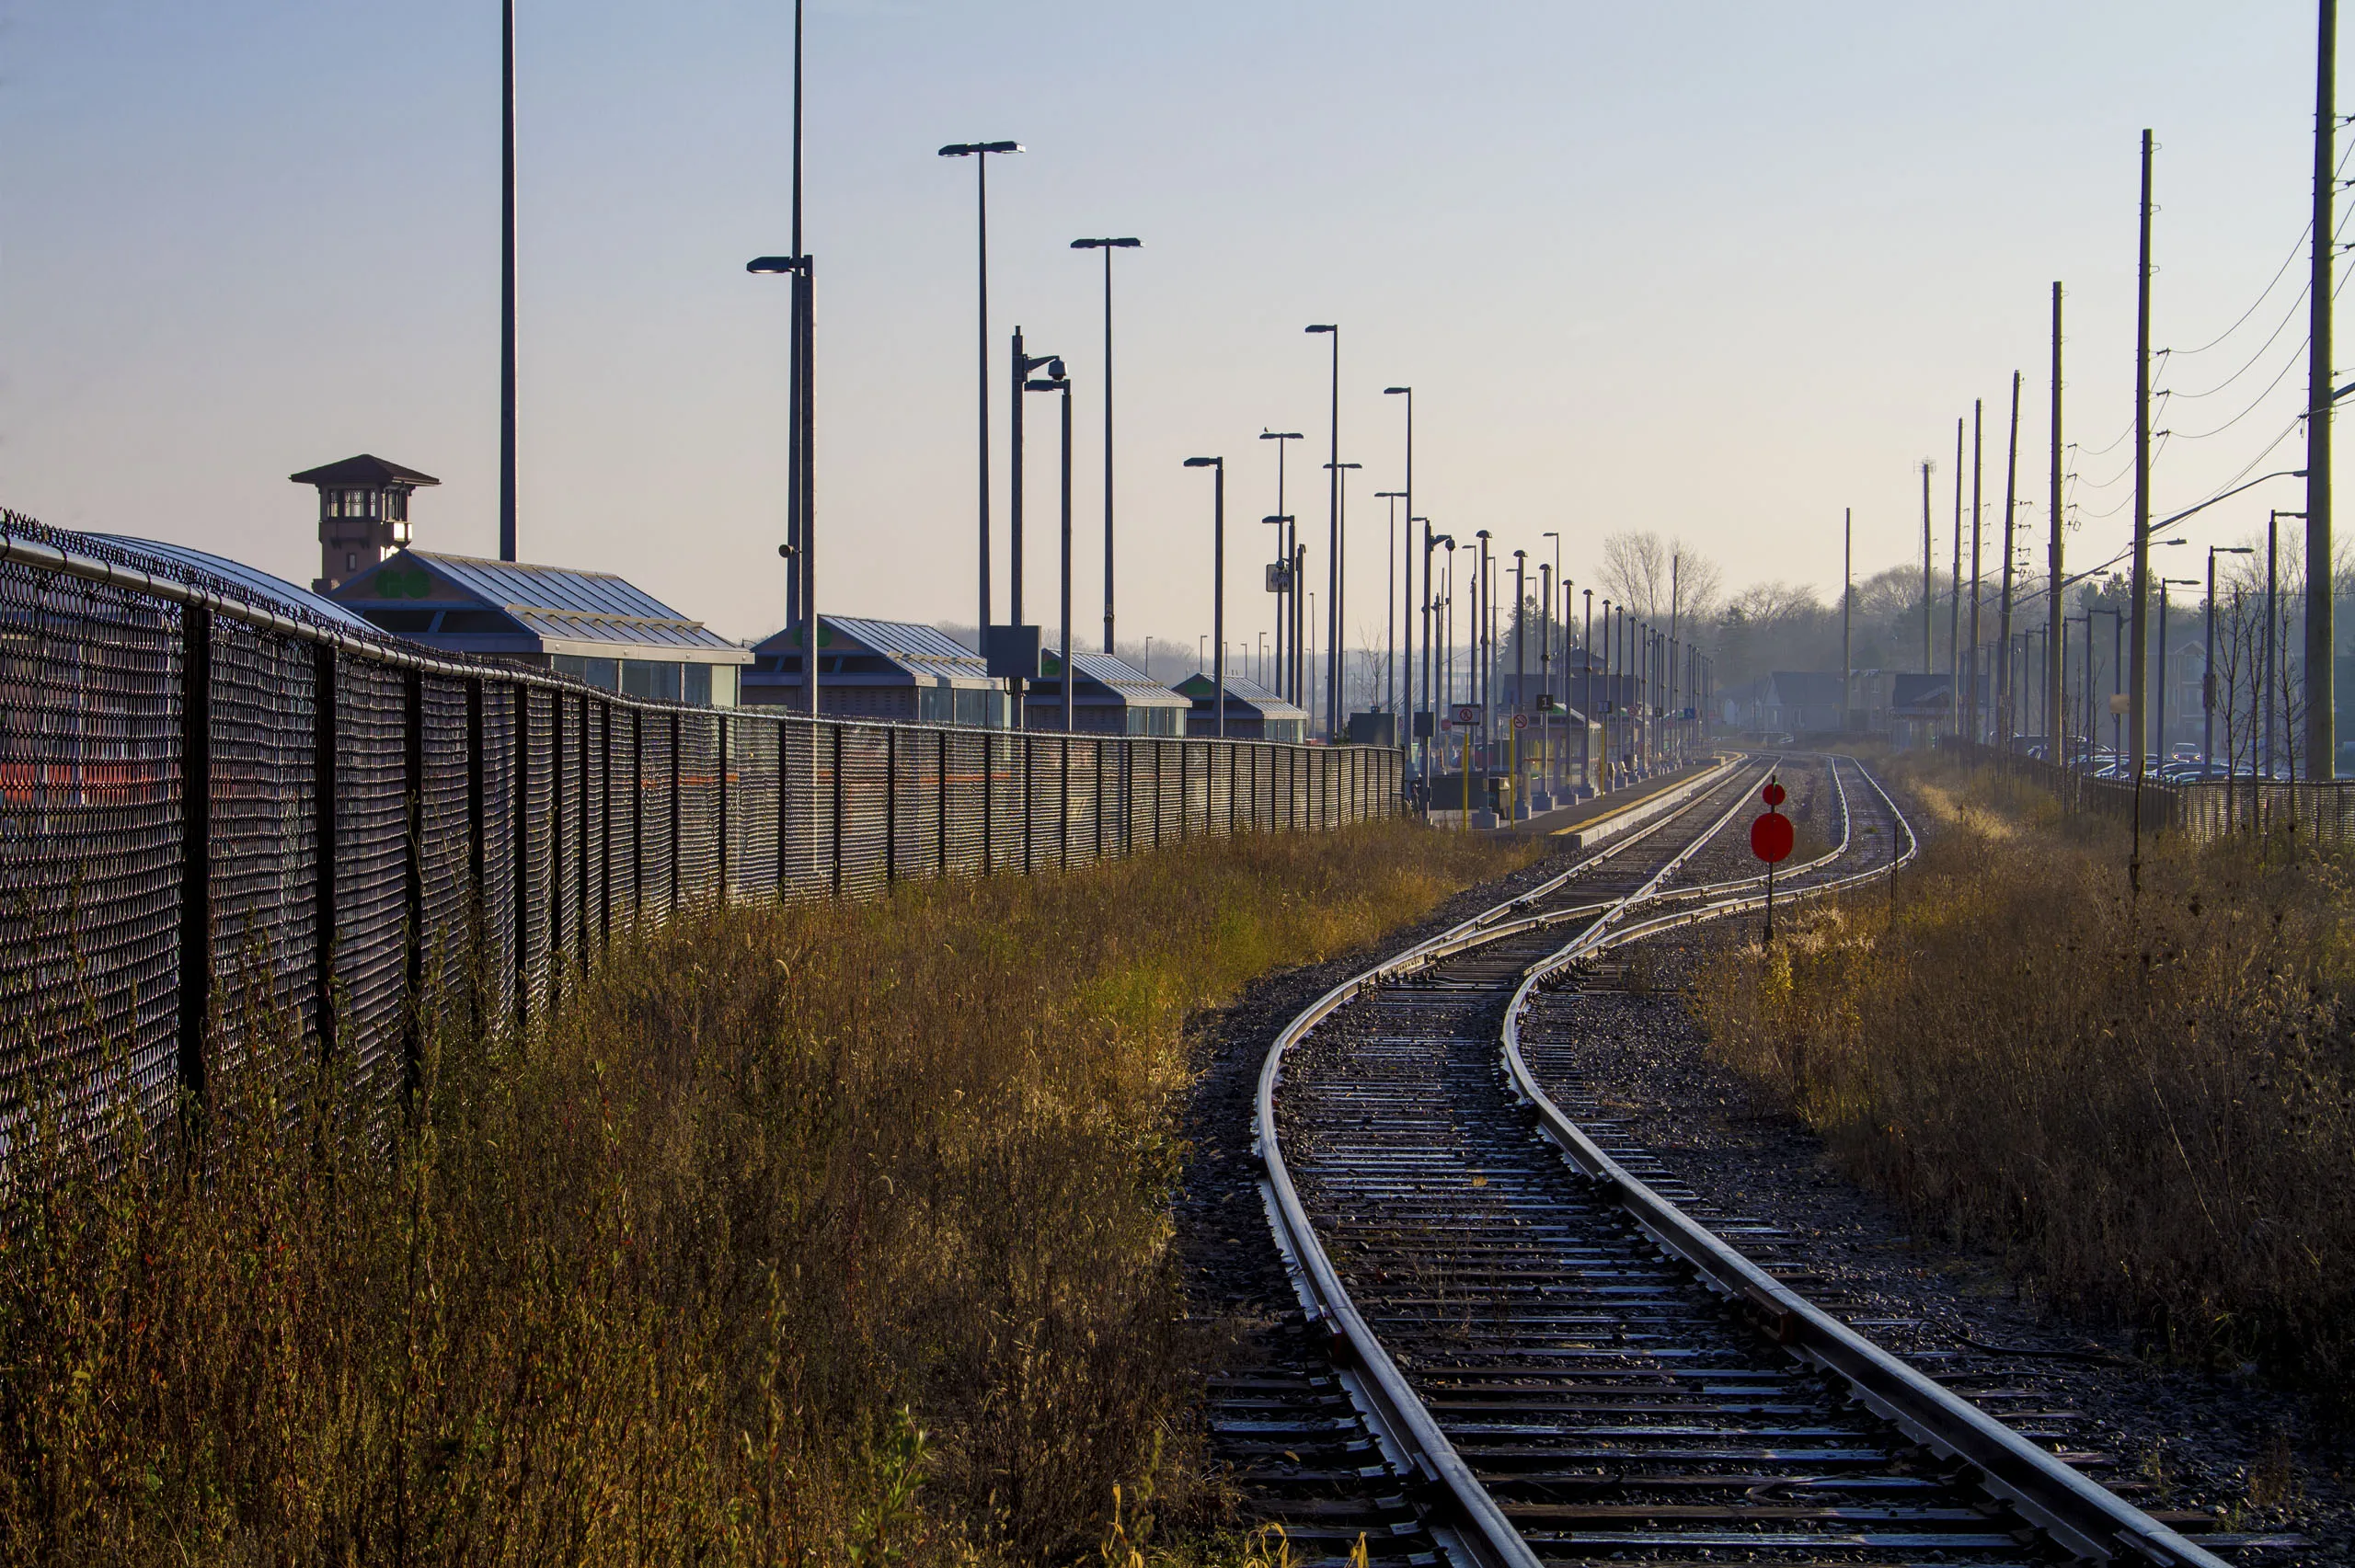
pixel 1718 269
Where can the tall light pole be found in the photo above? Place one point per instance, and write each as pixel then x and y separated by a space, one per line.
pixel 1218 583
pixel 1288 602
pixel 1107 247
pixel 1519 670
pixel 1449 632
pixel 980 151
pixel 1057 381
pixel 1333 545
pixel 1484 632
pixel 2207 659
pixel 1280 671
pixel 1408 393
pixel 1336 695
pixel 800 548
pixel 1390 609
pixel 507 258
pixel 1545 626
pixel 2159 708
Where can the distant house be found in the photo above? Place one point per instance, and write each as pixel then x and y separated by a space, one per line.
pixel 884 670
pixel 592 625
pixel 1252 712
pixel 1801 700
pixel 1110 697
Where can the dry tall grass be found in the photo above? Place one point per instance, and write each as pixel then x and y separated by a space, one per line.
pixel 831 1234
pixel 2149 1103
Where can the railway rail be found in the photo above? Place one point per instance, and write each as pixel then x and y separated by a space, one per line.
pixel 1539 1347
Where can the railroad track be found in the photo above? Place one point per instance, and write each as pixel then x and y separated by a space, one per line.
pixel 1542 1349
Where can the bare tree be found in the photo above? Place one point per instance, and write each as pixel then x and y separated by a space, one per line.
pixel 1640 569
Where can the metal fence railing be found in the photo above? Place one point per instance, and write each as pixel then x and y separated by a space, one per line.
pixel 206 801
pixel 2321 810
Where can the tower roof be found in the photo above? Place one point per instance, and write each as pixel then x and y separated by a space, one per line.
pixel 361 470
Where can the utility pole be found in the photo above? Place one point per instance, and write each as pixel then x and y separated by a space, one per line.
pixel 2055 641
pixel 1929 658
pixel 2137 681
pixel 1978 517
pixel 2011 504
pixel 1953 600
pixel 2322 723
pixel 1847 604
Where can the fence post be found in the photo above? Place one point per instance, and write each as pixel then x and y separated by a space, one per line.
pixel 413 883
pixel 837 792
pixel 940 822
pixel 671 907
pixel 722 722
pixel 323 888
pixel 196 845
pixel 589 709
pixel 1063 830
pixel 785 821
pixel 477 890
pixel 636 815
pixel 606 825
pixel 891 804
pixel 556 847
pixel 520 847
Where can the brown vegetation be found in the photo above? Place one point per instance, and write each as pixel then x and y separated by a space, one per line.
pixel 2148 1102
pixel 814 1234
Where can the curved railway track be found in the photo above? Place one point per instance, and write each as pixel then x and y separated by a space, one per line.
pixel 1542 1349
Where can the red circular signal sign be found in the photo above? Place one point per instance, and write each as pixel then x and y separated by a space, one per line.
pixel 1770 837
pixel 1773 795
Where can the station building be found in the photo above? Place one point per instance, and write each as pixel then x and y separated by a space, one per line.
pixel 900 670
pixel 1252 712
pixel 593 626
pixel 1108 697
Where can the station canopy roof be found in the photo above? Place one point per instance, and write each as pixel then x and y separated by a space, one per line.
pixel 910 647
pixel 1248 693
pixel 275 593
pixel 507 607
pixel 1118 677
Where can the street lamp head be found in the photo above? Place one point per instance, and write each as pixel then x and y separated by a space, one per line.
pixel 1284 517
pixel 1520 555
pixel 1480 534
pixel 1391 496
pixel 1341 465
pixel 1328 326
pixel 1421 519
pixel 1549 534
pixel 1058 383
pixel 968 149
pixel 1395 391
pixel 2232 549
pixel 770 264
pixel 1106 244
pixel 1280 435
pixel 1205 462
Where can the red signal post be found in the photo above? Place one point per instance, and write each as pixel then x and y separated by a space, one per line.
pixel 1770 841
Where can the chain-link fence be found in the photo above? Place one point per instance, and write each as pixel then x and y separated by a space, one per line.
pixel 207 803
